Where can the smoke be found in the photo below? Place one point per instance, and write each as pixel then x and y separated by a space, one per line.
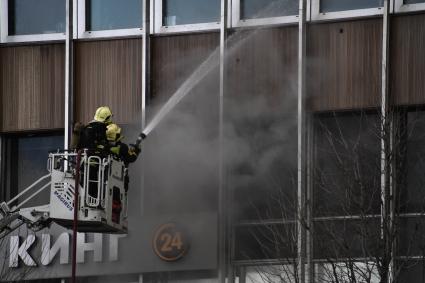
pixel 180 157
pixel 181 153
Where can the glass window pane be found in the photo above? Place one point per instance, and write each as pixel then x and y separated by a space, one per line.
pixel 412 163
pixel 263 178
pixel 411 236
pixel 256 242
pixel 344 270
pixel 113 14
pixel 252 9
pixel 347 160
pixel 181 12
pixel 346 238
pixel 36 16
pixel 282 272
pixel 411 270
pixel 26 162
pixel 344 5
pixel 413 1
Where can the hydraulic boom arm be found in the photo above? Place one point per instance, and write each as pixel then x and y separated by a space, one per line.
pixel 12 217
pixel 103 196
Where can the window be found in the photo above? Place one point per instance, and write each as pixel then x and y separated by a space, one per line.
pixel 346 165
pixel 413 1
pixel 24 160
pixel 411 162
pixel 177 12
pixel 409 5
pixel 251 9
pixel 347 271
pixel 32 20
pixel 111 14
pixel 101 18
pixel 333 9
pixel 264 241
pixel 263 178
pixel 341 239
pixel 254 12
pixel 411 236
pixel 283 272
pixel 344 5
pixel 186 15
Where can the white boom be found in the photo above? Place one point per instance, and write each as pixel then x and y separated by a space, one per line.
pixel 102 196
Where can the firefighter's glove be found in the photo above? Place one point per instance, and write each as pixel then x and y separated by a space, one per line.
pixel 134 149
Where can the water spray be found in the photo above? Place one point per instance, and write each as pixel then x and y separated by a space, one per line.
pixel 198 75
pixel 234 42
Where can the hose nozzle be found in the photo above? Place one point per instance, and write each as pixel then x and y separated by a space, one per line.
pixel 141 137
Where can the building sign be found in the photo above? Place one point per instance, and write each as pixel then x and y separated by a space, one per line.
pixel 170 242
pixel 159 243
pixel 20 249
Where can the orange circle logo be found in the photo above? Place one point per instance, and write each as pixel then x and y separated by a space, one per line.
pixel 170 242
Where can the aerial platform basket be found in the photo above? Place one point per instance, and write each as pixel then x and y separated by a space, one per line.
pixel 102 196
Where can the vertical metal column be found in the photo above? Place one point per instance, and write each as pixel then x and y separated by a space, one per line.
pixel 145 58
pixel 242 274
pixel 145 80
pixel 387 213
pixel 301 154
pixel 69 73
pixel 222 219
pixel 309 199
pixel 3 194
pixel 384 110
pixel 75 221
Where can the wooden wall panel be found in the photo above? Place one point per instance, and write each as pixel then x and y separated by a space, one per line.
pixel 261 118
pixel 407 65
pixel 32 87
pixel 264 63
pixel 182 151
pixel 174 58
pixel 109 73
pixel 344 64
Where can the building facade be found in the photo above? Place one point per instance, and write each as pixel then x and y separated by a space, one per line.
pixel 294 155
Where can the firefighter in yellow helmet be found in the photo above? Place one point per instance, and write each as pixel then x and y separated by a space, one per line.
pixel 103 114
pixel 93 136
pixel 121 150
pixel 124 152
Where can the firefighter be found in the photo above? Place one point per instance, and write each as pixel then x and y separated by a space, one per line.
pixel 93 138
pixel 93 135
pixel 127 154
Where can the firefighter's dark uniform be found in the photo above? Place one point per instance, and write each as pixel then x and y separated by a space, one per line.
pixel 121 150
pixel 93 138
pixel 126 155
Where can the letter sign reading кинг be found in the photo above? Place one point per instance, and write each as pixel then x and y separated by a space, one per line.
pixel 170 242
pixel 21 251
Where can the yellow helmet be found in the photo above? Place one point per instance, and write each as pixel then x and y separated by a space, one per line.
pixel 103 114
pixel 113 132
